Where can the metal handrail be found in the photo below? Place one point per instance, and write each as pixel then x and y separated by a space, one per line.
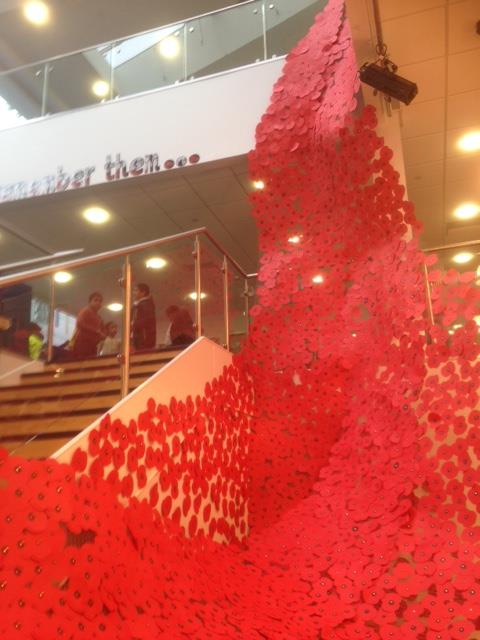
pixel 17 278
pixel 52 256
pixel 123 38
pixel 455 245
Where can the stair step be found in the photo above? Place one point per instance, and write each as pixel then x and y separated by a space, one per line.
pixel 106 361
pixel 60 388
pixel 95 373
pixel 101 401
pixel 37 448
pixel 19 428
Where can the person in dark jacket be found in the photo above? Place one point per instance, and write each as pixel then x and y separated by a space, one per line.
pixel 181 330
pixel 144 323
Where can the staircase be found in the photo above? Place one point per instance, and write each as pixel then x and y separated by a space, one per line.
pixel 50 407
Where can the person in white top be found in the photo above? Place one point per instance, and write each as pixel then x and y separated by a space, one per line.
pixel 111 345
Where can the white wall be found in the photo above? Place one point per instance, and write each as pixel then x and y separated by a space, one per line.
pixel 186 375
pixel 213 117
pixel 12 365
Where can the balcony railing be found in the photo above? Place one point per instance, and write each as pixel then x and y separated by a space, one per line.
pixel 213 43
pixel 189 271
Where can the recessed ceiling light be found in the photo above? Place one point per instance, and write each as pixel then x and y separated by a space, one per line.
pixel 318 279
pixel 36 12
pixel 96 215
pixel 469 142
pixel 62 277
pixel 101 88
pixel 259 184
pixel 463 257
pixel 169 47
pixel 457 326
pixel 467 211
pixel 295 239
pixel 115 306
pixel 193 295
pixel 155 263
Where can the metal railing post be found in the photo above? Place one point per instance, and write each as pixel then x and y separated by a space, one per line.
pixel 185 52
pixel 127 312
pixel 264 29
pixel 226 305
pixel 198 286
pixel 246 293
pixel 46 72
pixel 112 71
pixel 428 294
pixel 51 319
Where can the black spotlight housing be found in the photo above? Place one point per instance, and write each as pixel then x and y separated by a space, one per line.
pixel 388 82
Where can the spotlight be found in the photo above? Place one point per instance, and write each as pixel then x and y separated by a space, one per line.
pixel 388 82
pixel 155 263
pixel 100 88
pixel 96 215
pixel 115 307
pixel 62 277
pixel 193 295
pixel 463 257
pixel 295 239
pixel 36 12
pixel 318 279
pixel 259 184
pixel 467 211
pixel 169 47
pixel 470 142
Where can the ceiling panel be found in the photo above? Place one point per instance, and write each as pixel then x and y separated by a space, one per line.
pixel 394 9
pixel 425 39
pixel 225 189
pixel 463 109
pixel 428 174
pixel 462 17
pixel 423 118
pixel 423 149
pixel 463 168
pixel 463 71
pixel 429 77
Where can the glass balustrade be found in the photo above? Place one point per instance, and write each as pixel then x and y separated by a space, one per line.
pixel 78 336
pixel 236 36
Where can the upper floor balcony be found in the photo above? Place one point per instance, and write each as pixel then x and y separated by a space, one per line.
pixel 210 44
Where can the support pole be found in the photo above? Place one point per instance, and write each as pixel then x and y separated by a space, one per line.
pixel 226 303
pixel 428 293
pixel 127 313
pixel 51 319
pixel 198 286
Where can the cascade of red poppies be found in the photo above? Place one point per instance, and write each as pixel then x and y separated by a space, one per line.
pixel 361 469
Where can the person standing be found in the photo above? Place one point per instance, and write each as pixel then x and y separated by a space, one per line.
pixel 89 330
pixel 181 330
pixel 144 323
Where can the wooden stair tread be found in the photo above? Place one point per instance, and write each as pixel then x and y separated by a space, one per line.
pixel 73 423
pixel 62 388
pixel 105 361
pixel 95 374
pixel 37 448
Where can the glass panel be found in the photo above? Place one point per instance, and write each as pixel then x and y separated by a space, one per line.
pixel 237 308
pixel 452 307
pixel 213 321
pixel 19 309
pixel 169 274
pixel 49 403
pixel 149 61
pixel 79 80
pixel 287 22
pixel 21 95
pixel 225 40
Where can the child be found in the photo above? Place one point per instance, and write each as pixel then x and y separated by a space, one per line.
pixel 111 345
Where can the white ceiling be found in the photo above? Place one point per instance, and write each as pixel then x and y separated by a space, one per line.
pixel 213 195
